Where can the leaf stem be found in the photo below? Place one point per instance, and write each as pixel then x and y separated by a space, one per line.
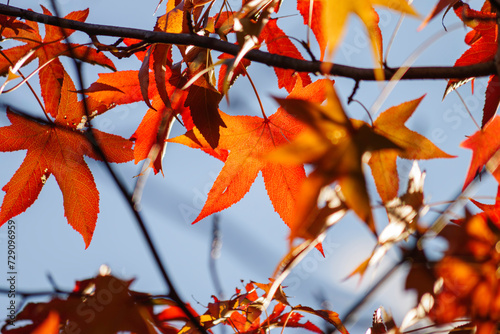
pixel 29 86
pixel 350 313
pixel 256 93
pixel 468 111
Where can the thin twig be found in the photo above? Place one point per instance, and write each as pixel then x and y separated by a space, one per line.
pixel 354 308
pixel 468 111
pixel 215 248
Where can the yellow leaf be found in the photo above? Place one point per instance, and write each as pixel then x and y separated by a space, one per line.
pixel 335 147
pixel 413 146
pixel 336 12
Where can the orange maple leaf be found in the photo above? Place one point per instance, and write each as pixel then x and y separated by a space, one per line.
pixel 492 211
pixel 484 144
pixel 279 43
pixel 469 274
pixel 84 311
pixel 248 139
pixel 412 146
pixel 58 149
pixel 47 50
pixel 335 147
pixel 123 87
pixel 304 7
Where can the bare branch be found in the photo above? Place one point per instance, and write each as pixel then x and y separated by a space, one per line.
pixel 299 65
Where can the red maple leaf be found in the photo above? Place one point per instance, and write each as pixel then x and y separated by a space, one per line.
pixel 248 139
pixel 279 43
pixel 239 70
pixel 484 145
pixel 304 7
pixel 58 148
pixel 492 211
pixel 47 50
pixel 83 311
pixel 123 88
pixel 10 22
pixel 483 47
pixel 469 284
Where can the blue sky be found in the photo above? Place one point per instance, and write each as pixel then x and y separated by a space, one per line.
pixel 254 237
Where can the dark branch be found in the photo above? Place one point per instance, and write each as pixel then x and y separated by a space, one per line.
pixel 356 73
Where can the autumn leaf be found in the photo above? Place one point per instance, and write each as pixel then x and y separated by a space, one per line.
pixel 123 87
pixel 116 88
pixel 10 22
pixel 124 310
pixel 304 7
pixel 329 316
pixel 248 139
pixel 203 102
pixel 492 211
pixel 412 146
pixel 468 272
pixel 483 47
pixel 335 15
pixel 335 147
pixel 403 213
pixel 237 71
pixel 484 145
pixel 442 4
pixel 58 149
pixel 243 312
pixel 249 22
pixel 47 50
pixel 279 43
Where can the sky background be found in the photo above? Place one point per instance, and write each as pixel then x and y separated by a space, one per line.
pixel 254 237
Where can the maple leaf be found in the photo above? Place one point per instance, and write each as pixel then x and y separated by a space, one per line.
pixel 244 310
pixel 58 149
pixel 123 87
pixel 279 43
pixel 49 325
pixel 412 146
pixel 484 144
pixel 248 139
pixel 329 316
pixel 103 304
pixel 304 7
pixel 10 22
pixel 335 148
pixel 483 47
pixel 468 274
pixel 47 50
pixel 442 4
pixel 492 211
pixel 336 13
pixel 248 23
pixel 403 213
pixel 203 102
pixel 237 71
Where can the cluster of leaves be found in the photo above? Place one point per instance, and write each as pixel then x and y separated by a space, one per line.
pixel 310 126
pixel 106 304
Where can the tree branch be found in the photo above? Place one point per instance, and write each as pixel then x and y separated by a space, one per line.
pixel 299 65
